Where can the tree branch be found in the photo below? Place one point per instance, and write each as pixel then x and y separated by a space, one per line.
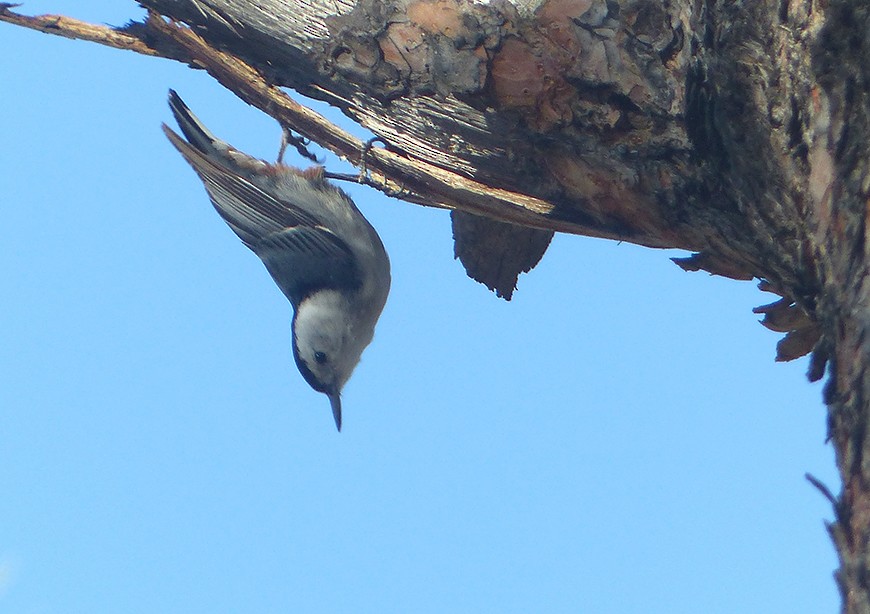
pixel 408 178
pixel 736 130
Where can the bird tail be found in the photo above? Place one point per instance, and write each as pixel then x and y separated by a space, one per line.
pixel 197 134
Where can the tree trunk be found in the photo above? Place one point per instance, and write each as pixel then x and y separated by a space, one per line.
pixel 735 130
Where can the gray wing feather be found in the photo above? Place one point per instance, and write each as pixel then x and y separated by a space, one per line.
pixel 251 211
pixel 299 253
pixel 304 259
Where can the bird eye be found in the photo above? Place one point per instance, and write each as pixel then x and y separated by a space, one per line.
pixel 320 357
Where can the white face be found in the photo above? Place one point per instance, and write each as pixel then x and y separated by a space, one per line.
pixel 326 346
pixel 322 352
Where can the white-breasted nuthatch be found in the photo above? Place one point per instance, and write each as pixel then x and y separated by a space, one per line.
pixel 320 250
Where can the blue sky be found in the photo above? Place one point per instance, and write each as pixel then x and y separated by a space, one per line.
pixel 617 439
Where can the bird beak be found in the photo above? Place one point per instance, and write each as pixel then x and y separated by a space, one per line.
pixel 335 402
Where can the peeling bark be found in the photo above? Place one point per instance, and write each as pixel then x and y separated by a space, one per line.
pixel 495 253
pixel 736 130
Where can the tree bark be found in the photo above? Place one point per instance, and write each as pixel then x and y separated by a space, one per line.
pixel 736 130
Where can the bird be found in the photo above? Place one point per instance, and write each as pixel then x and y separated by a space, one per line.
pixel 325 257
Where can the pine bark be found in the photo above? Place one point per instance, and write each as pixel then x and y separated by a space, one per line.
pixel 736 130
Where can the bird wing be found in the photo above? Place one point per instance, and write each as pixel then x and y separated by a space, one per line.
pixel 299 252
pixel 303 259
pixel 250 211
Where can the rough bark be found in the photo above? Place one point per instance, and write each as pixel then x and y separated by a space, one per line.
pixel 735 130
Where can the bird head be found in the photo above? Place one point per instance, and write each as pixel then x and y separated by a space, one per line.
pixel 327 343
